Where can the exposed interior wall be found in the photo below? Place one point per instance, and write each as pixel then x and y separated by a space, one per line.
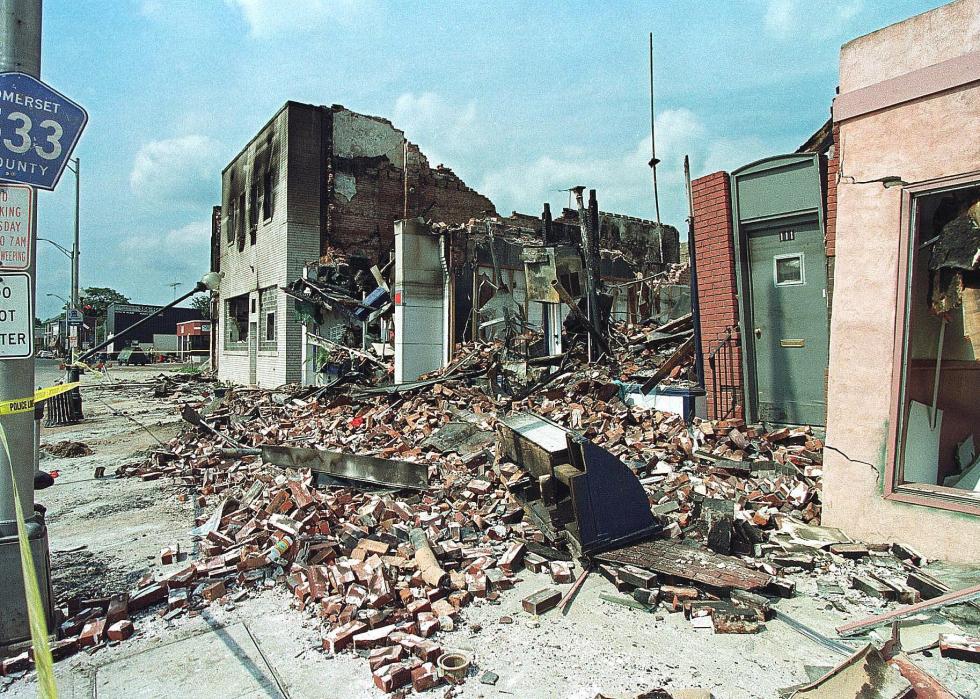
pixel 866 295
pixel 367 186
pixel 715 259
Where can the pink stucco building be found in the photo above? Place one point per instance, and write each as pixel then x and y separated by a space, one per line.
pixel 908 145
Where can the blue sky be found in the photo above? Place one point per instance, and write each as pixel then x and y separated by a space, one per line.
pixel 522 100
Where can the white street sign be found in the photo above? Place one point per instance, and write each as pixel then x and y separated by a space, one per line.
pixel 16 316
pixel 15 226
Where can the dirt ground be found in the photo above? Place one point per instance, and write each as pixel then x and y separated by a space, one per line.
pixel 107 533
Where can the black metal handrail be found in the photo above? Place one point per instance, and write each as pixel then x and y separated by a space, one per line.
pixel 725 374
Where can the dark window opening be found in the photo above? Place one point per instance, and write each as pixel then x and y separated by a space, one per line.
pixel 236 322
pixel 267 195
pixel 253 213
pixel 940 378
pixel 240 215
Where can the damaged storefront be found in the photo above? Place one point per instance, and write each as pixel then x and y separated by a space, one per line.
pixel 904 374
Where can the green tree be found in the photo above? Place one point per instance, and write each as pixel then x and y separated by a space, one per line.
pixel 98 298
pixel 202 302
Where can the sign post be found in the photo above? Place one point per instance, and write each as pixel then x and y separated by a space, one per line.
pixel 39 128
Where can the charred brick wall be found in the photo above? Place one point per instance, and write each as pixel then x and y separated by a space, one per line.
pixel 715 254
pixel 376 177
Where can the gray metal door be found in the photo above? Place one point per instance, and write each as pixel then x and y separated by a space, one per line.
pixel 788 272
pixel 253 352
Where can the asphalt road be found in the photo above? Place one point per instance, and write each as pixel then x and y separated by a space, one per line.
pixel 46 372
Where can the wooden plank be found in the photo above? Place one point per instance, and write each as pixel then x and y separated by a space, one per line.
pixel 700 566
pixel 855 628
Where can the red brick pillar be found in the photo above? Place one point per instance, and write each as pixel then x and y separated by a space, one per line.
pixel 833 167
pixel 715 254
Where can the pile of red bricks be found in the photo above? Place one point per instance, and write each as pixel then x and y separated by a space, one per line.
pixel 345 555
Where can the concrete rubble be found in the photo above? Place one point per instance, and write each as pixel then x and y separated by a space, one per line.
pixel 385 571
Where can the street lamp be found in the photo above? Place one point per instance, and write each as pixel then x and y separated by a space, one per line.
pixel 61 248
pixel 67 253
pixel 75 251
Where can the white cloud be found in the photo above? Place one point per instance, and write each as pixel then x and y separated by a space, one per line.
pixel 269 18
pixel 446 132
pixel 181 172
pixel 623 181
pixel 797 19
pixel 156 259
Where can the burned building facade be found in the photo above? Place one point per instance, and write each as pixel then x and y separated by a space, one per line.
pixel 313 180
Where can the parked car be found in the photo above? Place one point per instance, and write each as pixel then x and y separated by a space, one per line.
pixel 133 356
pixel 46 354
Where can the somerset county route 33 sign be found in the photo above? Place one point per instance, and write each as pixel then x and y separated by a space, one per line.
pixel 16 316
pixel 39 128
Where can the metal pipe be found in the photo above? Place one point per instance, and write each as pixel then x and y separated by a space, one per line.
pixel 653 138
pixel 692 259
pixel 20 50
pixel 76 252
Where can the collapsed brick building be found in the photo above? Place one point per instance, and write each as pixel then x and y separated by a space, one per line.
pixel 313 179
pixel 316 193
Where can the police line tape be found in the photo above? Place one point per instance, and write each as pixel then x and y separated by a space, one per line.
pixel 25 405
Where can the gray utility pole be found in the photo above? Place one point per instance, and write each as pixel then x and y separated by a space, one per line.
pixel 20 50
pixel 654 160
pixel 75 252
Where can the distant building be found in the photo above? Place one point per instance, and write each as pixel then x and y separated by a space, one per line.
pixel 194 339
pixel 54 335
pixel 161 330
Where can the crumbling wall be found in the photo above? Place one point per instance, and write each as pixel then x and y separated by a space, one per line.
pixel 368 190
pixel 647 244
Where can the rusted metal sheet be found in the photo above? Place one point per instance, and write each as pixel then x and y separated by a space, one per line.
pixel 865 674
pixel 924 685
pixel 364 469
pixel 688 563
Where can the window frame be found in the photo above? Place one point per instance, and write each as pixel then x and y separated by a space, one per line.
pixel 240 344
pixel 935 496
pixel 789 256
pixel 268 305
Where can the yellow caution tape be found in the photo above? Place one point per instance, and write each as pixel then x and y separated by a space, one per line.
pixel 36 618
pixel 24 405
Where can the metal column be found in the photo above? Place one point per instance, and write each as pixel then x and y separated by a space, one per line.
pixel 20 51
